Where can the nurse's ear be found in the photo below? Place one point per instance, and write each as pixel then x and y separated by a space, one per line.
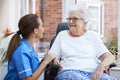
pixel 86 23
pixel 35 31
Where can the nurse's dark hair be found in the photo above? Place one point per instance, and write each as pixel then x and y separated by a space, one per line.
pixel 26 26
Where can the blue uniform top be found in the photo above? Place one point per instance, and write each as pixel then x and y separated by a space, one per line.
pixel 23 62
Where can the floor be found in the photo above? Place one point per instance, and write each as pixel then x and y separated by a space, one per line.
pixel 115 72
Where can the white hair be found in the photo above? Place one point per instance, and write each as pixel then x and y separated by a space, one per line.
pixel 82 9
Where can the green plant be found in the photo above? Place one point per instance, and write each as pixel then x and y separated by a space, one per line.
pixel 113 47
pixel 3 52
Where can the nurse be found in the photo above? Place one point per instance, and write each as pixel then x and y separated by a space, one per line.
pixel 23 62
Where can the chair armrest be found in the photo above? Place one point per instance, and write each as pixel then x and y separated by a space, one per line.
pixel 108 70
pixel 112 65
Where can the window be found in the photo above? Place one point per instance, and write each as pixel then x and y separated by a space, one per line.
pixel 97 23
pixel 28 6
pixel 65 7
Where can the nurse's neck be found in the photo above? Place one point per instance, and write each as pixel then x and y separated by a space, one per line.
pixel 32 40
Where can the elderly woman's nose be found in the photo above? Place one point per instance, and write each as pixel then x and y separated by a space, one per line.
pixel 71 21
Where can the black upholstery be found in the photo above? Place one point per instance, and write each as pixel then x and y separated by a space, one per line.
pixel 51 71
pixel 61 27
pixel 52 68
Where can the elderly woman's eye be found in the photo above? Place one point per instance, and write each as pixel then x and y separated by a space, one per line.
pixel 76 18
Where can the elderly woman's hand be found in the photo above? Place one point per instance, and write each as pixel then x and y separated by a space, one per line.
pixel 57 62
pixel 98 72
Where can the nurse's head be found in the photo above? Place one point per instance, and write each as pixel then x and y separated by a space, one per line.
pixel 30 26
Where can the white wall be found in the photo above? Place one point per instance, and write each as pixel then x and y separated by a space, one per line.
pixel 9 13
pixel 14 14
pixel 4 10
pixel 119 28
pixel 9 16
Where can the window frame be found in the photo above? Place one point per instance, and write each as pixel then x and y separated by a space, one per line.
pixel 99 19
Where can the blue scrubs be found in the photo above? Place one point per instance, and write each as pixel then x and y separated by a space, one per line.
pixel 23 62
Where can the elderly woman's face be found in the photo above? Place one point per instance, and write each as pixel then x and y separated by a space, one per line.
pixel 76 24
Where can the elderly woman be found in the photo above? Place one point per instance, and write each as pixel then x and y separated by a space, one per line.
pixel 83 54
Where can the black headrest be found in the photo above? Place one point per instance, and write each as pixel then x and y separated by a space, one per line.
pixel 61 27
